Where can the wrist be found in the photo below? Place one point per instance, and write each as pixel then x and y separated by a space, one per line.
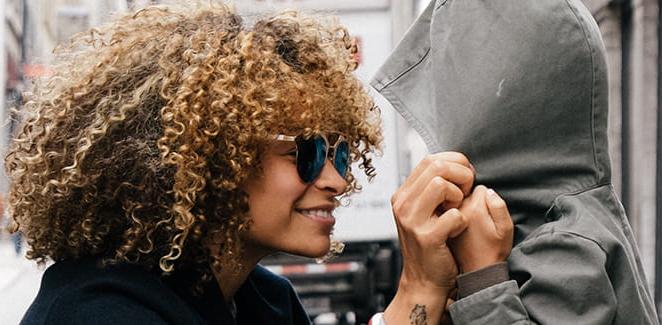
pixel 478 265
pixel 422 291
pixel 413 301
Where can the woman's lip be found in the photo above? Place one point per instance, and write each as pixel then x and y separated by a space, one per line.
pixel 323 220
pixel 325 207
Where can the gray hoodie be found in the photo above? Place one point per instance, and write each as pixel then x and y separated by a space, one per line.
pixel 520 87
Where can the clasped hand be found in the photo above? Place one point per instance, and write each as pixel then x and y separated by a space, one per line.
pixel 444 228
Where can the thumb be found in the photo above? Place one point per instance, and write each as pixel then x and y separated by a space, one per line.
pixel 499 212
pixel 451 224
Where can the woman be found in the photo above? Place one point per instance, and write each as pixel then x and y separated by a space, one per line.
pixel 173 149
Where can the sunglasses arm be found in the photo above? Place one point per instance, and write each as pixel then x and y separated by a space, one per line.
pixel 282 137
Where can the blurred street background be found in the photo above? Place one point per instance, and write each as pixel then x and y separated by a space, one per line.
pixel 361 282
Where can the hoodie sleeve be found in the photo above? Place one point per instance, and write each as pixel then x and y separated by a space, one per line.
pixel 563 281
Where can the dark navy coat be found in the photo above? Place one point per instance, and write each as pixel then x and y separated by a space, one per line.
pixel 81 292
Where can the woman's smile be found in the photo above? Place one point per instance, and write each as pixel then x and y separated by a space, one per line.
pixel 324 217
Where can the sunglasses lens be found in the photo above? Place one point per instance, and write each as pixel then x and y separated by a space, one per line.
pixel 341 161
pixel 310 157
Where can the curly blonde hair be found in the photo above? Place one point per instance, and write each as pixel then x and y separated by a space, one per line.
pixel 136 147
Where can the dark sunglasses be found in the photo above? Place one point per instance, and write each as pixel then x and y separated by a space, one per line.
pixel 312 153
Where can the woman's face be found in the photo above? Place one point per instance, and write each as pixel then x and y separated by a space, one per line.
pixel 287 214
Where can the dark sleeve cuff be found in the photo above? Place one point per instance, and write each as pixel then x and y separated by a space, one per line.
pixel 472 282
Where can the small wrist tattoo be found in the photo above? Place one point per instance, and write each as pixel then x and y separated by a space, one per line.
pixel 418 315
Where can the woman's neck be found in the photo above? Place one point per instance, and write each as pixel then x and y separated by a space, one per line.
pixel 230 279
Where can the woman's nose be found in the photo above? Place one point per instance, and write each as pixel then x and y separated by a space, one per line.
pixel 330 180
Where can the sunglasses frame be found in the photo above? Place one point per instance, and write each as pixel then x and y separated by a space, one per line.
pixel 332 157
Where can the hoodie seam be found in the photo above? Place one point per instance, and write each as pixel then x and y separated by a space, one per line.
pixel 621 221
pixel 388 83
pixel 439 4
pixel 555 230
pixel 591 49
pixel 542 235
pixel 555 202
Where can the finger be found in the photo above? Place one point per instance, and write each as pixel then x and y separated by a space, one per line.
pixel 451 224
pixel 448 156
pixel 474 207
pixel 449 302
pixel 453 156
pixel 473 169
pixel 477 197
pixel 437 191
pixel 455 173
pixel 499 212
pixel 453 198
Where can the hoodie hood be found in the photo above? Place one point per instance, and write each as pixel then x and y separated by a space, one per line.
pixel 519 86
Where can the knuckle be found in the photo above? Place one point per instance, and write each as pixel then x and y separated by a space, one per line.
pixel 440 167
pixel 463 219
pixel 454 213
pixel 438 183
pixel 427 160
pixel 499 205
pixel 460 157
pixel 457 191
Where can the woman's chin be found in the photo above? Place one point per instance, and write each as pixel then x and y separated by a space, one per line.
pixel 315 251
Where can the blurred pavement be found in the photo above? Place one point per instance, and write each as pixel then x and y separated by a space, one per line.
pixel 19 283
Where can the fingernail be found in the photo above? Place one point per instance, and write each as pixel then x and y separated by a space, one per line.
pixel 491 193
pixel 453 212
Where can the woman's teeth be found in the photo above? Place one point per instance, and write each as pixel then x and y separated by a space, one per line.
pixel 317 213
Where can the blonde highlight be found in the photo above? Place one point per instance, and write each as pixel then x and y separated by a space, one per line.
pixel 135 149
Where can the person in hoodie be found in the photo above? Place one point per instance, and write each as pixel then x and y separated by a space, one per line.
pixel 520 88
